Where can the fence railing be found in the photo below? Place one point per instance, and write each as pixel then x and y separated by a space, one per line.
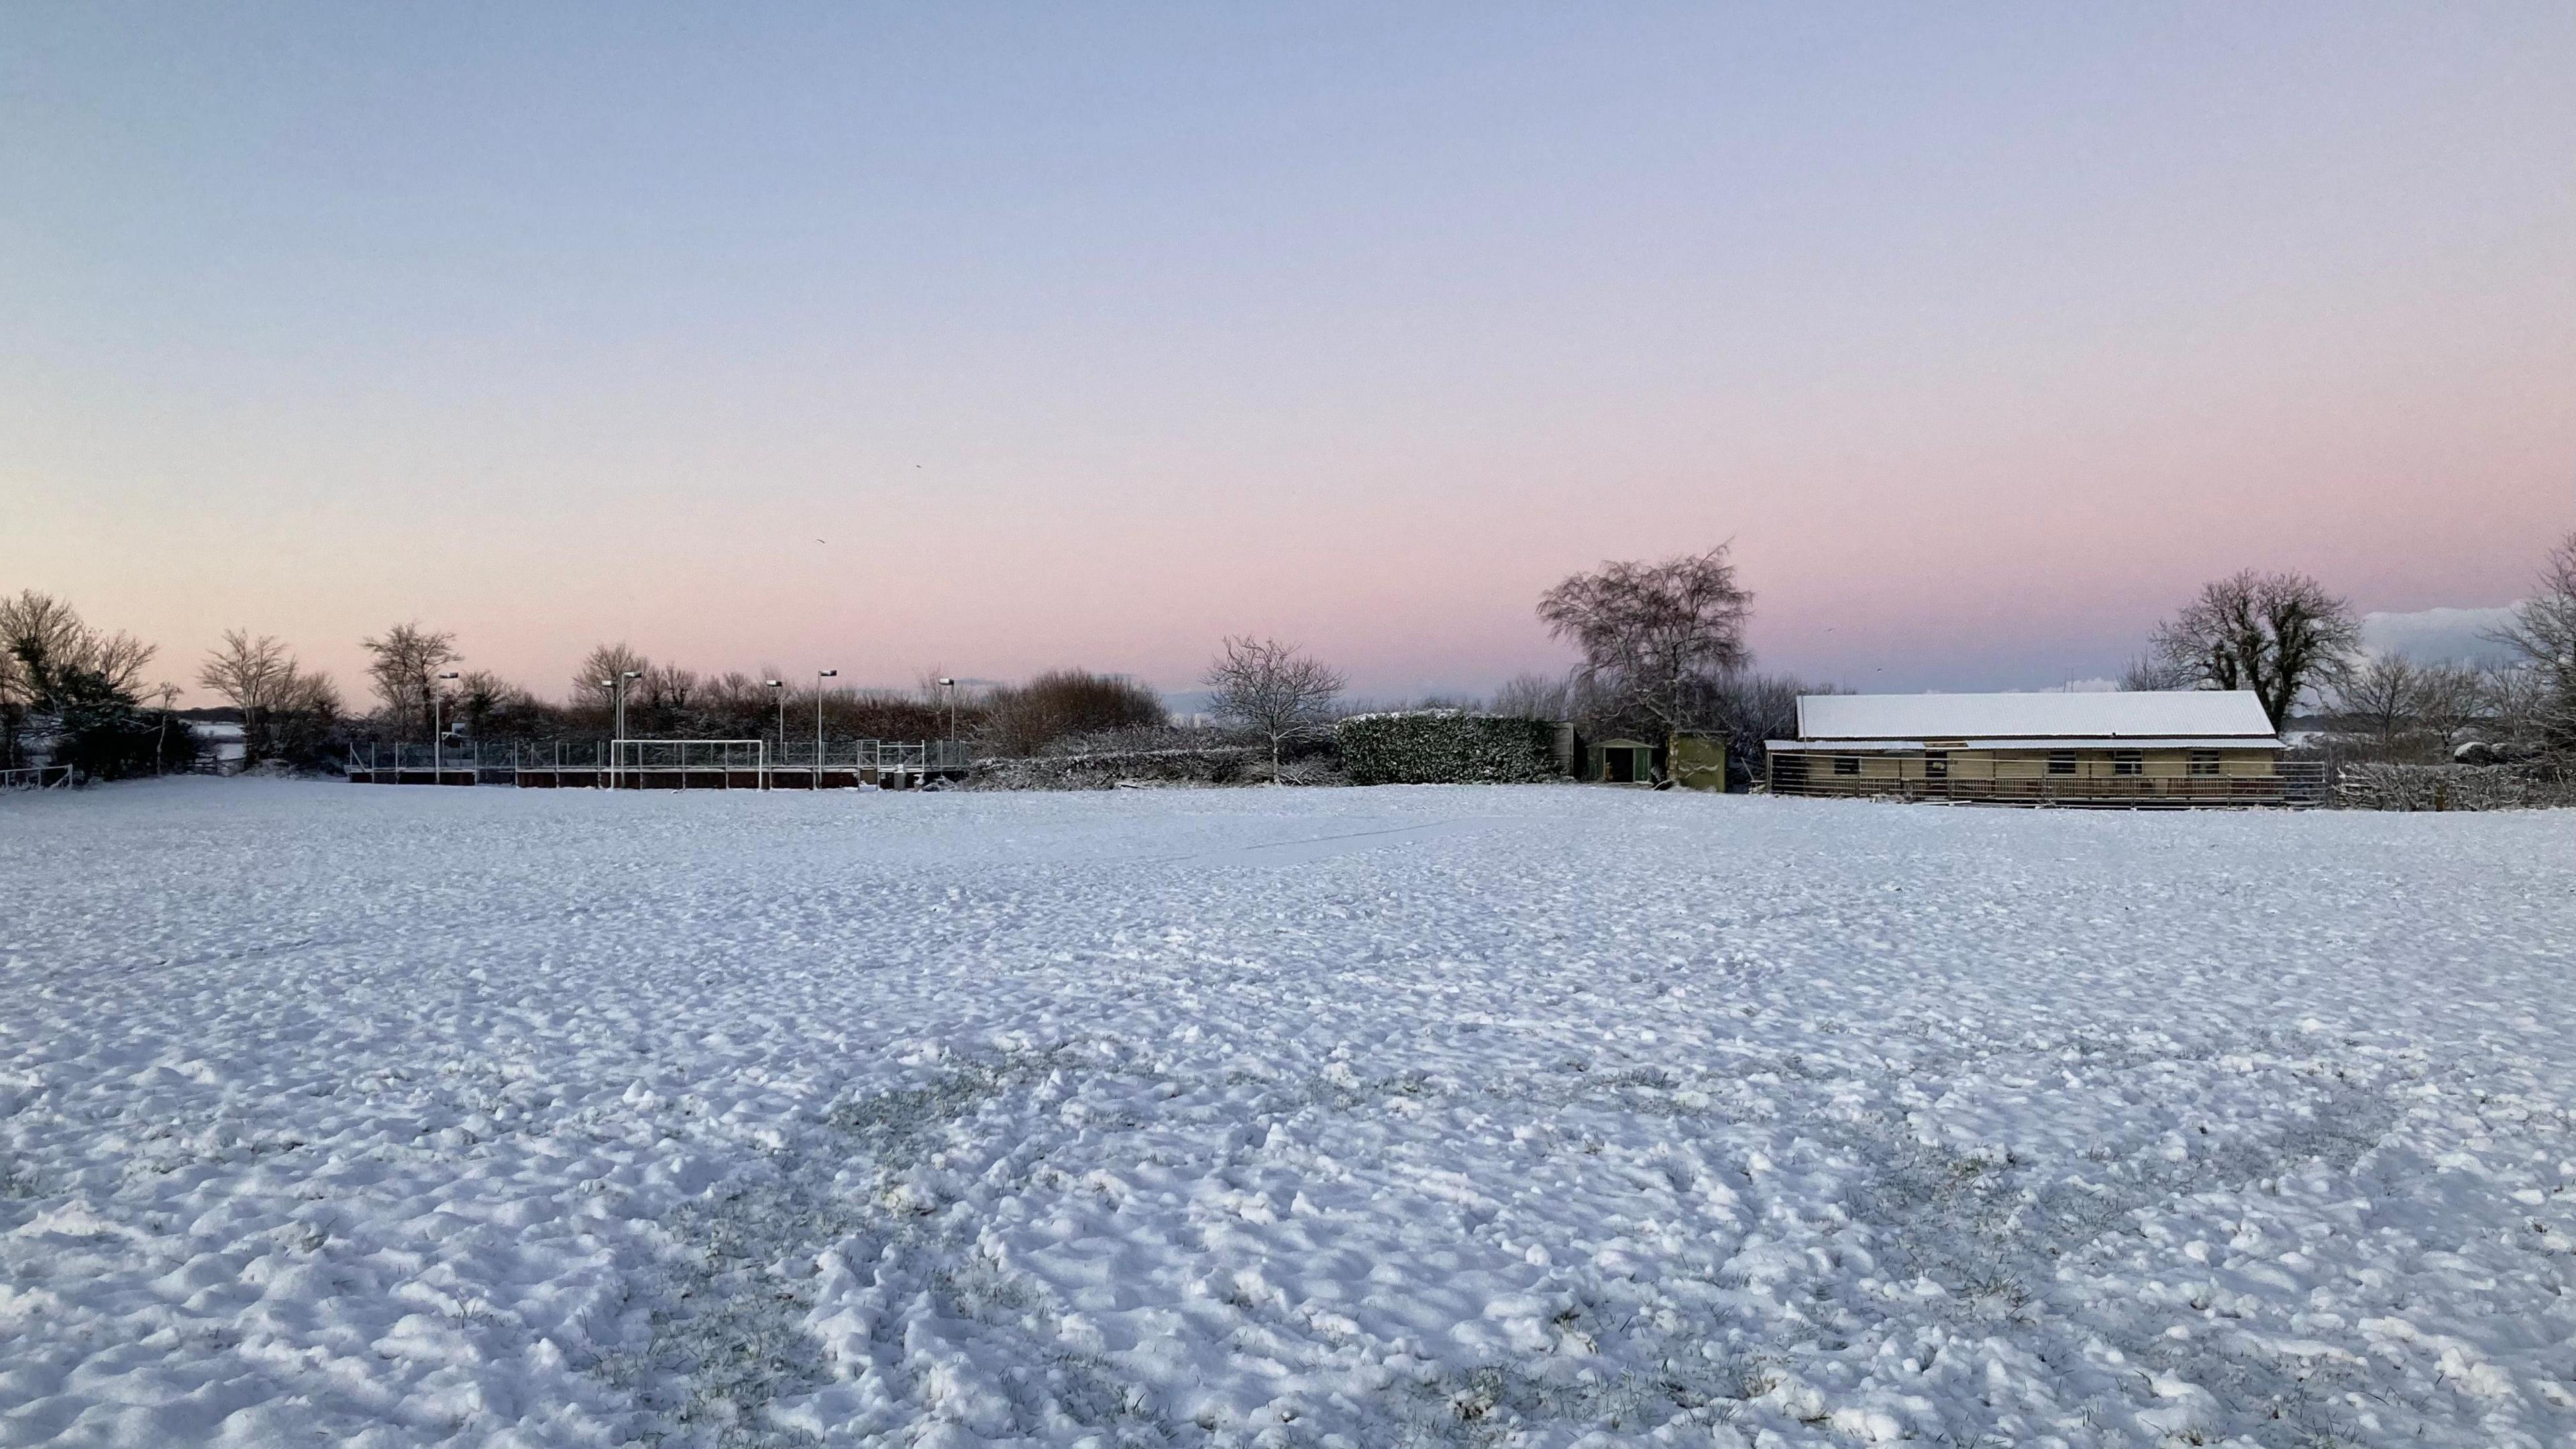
pixel 506 761
pixel 36 777
pixel 1887 777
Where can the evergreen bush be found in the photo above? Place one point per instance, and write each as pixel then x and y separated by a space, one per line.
pixel 1446 747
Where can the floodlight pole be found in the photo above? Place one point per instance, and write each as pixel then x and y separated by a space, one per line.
pixel 438 731
pixel 608 770
pixel 778 690
pixel 617 720
pixel 819 676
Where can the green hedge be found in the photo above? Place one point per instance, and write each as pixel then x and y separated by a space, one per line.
pixel 1445 747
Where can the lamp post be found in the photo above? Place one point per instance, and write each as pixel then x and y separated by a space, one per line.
pixel 610 764
pixel 778 691
pixel 951 686
pixel 438 731
pixel 170 692
pixel 819 676
pixel 616 688
pixel 623 681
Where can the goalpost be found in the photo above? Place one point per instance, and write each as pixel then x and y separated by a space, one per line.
pixel 645 759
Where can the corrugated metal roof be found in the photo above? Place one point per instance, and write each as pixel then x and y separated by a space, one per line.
pixel 2031 742
pixel 2194 714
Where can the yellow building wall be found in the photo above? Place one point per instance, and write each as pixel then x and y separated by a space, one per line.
pixel 1992 765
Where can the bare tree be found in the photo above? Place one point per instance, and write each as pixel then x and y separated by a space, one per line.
pixel 1654 634
pixel 1535 696
pixel 2514 696
pixel 1751 710
pixel 2449 698
pixel 168 694
pixel 14 690
pixel 91 681
pixel 666 693
pixel 2409 710
pixel 119 659
pixel 403 675
pixel 1272 689
pixel 39 635
pixel 2380 696
pixel 32 626
pixel 607 661
pixel 46 643
pixel 252 674
pixel 2152 671
pixel 309 693
pixel 2542 631
pixel 493 708
pixel 2279 635
pixel 305 720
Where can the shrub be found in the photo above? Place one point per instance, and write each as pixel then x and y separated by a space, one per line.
pixel 2378 786
pixel 1445 747
pixel 871 714
pixel 1208 765
pixel 108 737
pixel 1026 719
pixel 1142 738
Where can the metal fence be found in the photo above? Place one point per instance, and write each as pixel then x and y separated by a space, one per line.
pixel 1888 777
pixel 638 763
pixel 36 777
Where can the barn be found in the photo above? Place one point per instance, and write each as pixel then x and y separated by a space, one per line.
pixel 2194 747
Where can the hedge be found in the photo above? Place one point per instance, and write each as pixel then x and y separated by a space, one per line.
pixel 1108 769
pixel 2446 787
pixel 1446 747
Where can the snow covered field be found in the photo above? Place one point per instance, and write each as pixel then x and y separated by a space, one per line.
pixel 1546 1116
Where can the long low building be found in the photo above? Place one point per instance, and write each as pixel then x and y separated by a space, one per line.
pixel 2189 747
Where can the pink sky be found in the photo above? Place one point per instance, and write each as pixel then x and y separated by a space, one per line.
pixel 1985 337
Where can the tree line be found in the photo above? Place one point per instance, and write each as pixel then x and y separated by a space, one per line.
pixel 85 688
pixel 2296 645
pixel 1661 648
pixel 419 682
pixel 81 691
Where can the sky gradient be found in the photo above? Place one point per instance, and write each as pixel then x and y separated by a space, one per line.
pixel 998 339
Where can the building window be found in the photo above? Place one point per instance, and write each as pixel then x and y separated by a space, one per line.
pixel 2204 762
pixel 1846 764
pixel 2128 762
pixel 2062 762
pixel 1936 765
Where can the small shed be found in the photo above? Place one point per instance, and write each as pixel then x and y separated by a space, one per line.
pixel 1621 762
pixel 1697 762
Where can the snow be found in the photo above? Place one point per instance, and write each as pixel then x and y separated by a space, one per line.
pixel 2097 715
pixel 221 738
pixel 1478 1115
pixel 2032 742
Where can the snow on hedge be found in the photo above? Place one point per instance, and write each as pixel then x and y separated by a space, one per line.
pixel 349 1114
pixel 1445 747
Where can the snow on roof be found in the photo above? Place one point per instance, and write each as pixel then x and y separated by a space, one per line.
pixel 2200 713
pixel 2032 742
